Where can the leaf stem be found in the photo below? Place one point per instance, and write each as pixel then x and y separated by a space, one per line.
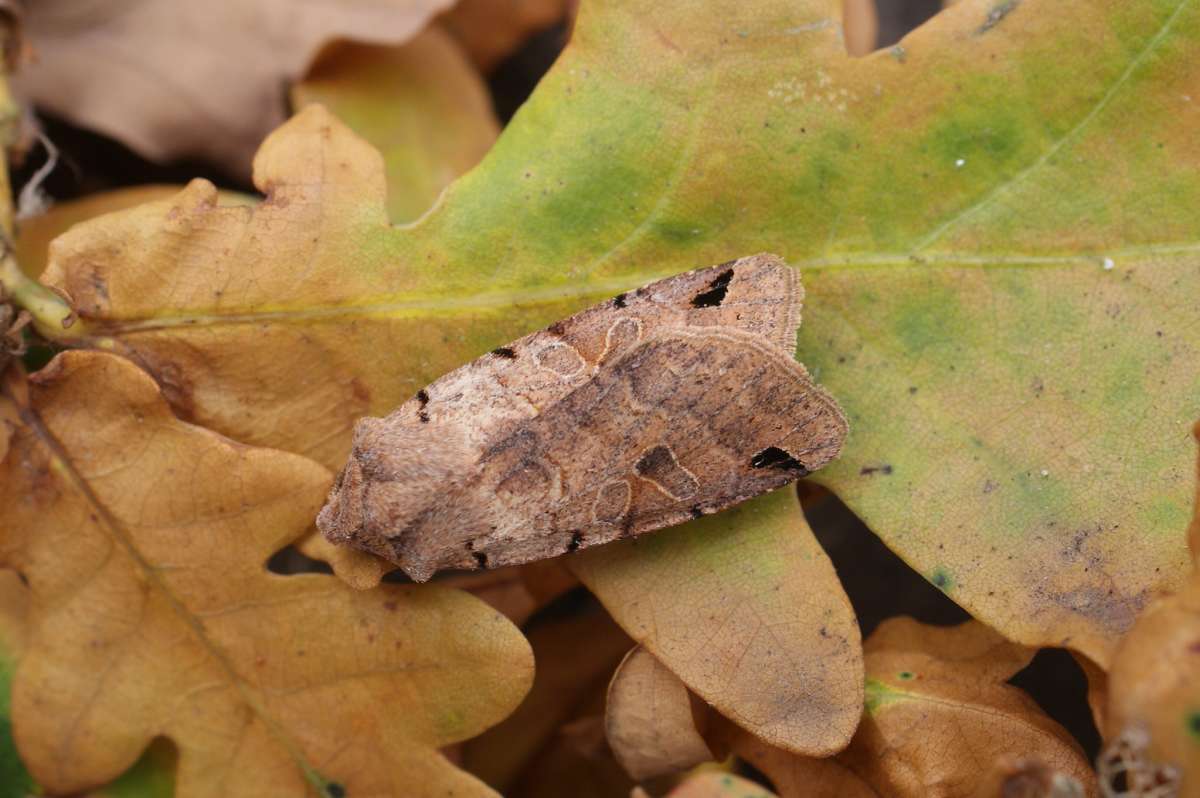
pixel 53 318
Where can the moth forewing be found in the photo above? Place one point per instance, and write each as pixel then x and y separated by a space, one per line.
pixel 662 404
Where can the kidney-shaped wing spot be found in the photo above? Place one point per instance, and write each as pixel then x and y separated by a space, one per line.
pixel 624 333
pixel 658 466
pixel 561 358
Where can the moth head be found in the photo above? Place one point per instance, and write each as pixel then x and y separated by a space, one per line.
pixel 396 472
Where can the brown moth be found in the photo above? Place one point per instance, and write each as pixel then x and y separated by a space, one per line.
pixel 664 404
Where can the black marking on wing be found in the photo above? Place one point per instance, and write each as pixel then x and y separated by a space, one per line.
pixel 715 294
pixel 774 457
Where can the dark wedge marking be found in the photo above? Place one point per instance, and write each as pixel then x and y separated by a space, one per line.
pixel 504 352
pixel 715 294
pixel 774 457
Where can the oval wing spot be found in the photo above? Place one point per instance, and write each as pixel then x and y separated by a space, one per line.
pixel 612 502
pixel 529 479
pixel 658 466
pixel 623 334
pixel 561 358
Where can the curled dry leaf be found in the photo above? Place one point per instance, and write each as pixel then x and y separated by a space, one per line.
pixel 575 657
pixel 144 542
pixel 1097 689
pixel 421 104
pixel 1152 723
pixel 648 719
pixel 746 609
pixel 491 30
pixel 174 79
pixel 1010 342
pixel 938 704
pixel 940 720
pixel 861 23
pixel 359 569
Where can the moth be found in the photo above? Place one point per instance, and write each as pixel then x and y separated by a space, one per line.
pixel 660 405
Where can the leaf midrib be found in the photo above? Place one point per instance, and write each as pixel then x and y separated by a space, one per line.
pixel 501 300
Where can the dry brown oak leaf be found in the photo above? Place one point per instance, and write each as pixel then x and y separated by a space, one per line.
pixel 649 720
pixel 940 720
pixel 145 540
pixel 173 78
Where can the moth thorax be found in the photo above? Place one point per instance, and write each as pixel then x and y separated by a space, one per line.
pixel 396 471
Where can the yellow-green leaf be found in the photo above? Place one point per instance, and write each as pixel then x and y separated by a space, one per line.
pixel 421 104
pixel 745 608
pixel 940 720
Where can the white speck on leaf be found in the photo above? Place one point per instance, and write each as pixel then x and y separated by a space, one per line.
pixel 1109 264
pixel 960 163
